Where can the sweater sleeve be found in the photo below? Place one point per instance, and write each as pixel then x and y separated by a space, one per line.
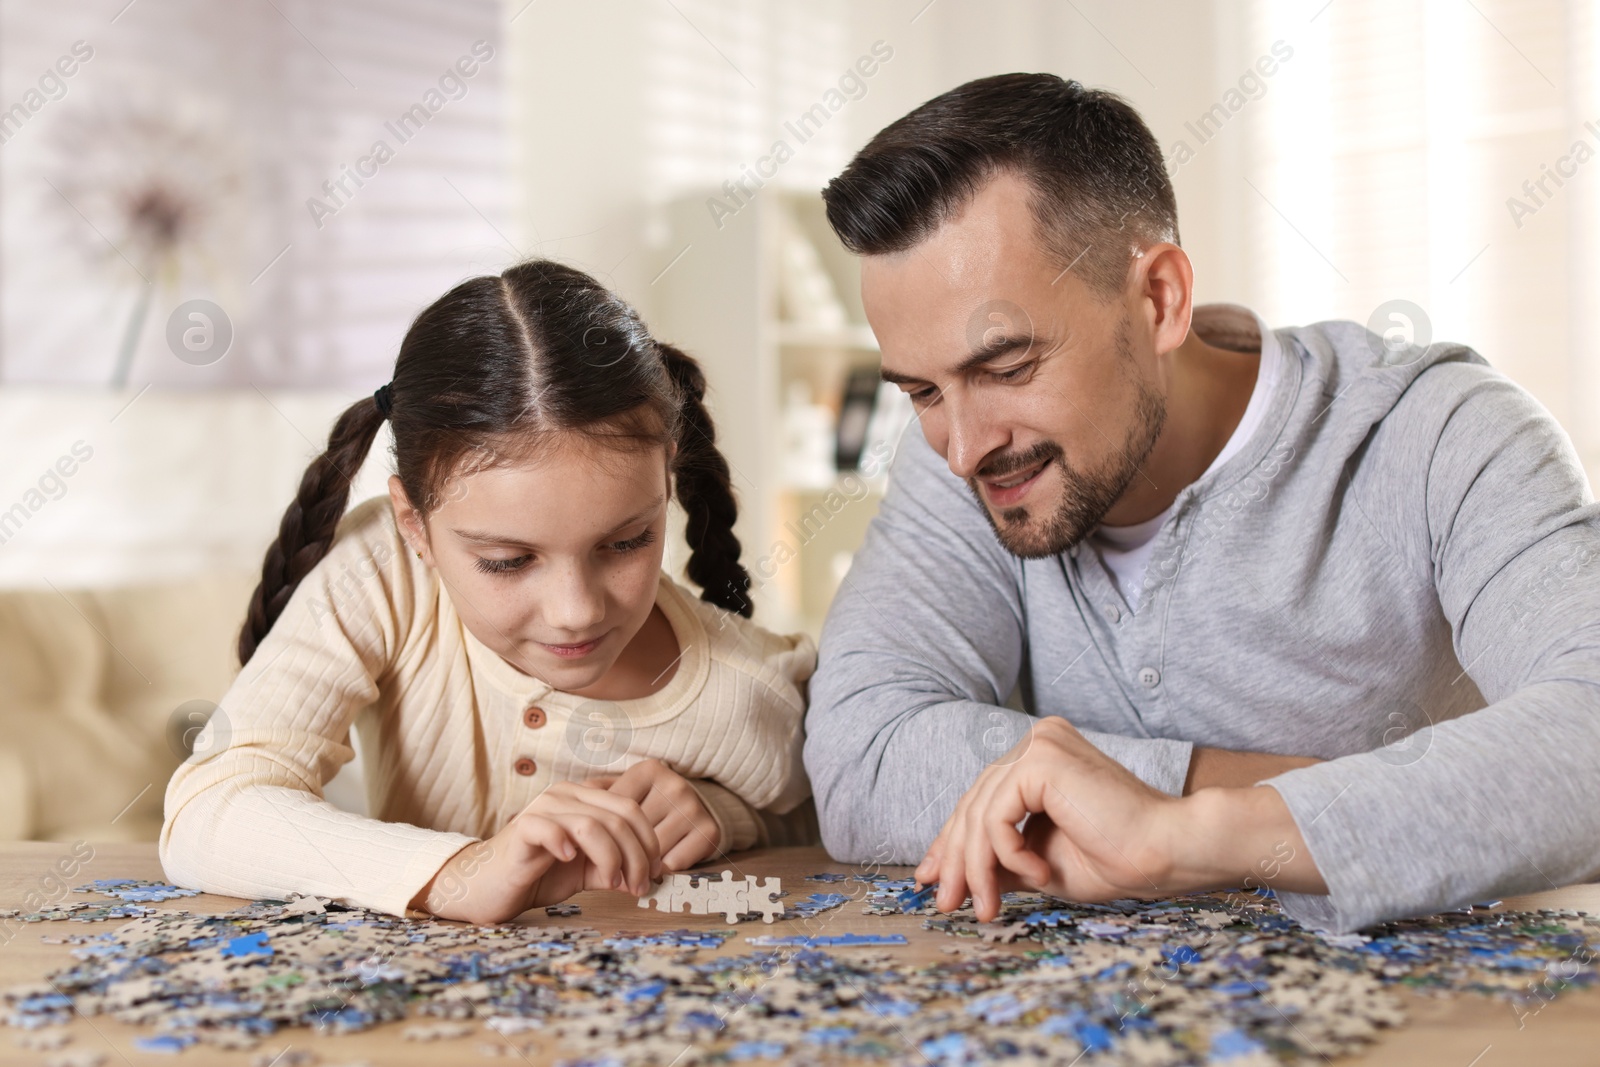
pixel 245 815
pixel 742 826
pixel 1501 800
pixel 738 824
pixel 743 730
pixel 922 646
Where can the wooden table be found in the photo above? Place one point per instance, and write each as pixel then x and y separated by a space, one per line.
pixel 1465 1031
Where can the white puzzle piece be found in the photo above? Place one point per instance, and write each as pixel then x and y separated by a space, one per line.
pixel 727 896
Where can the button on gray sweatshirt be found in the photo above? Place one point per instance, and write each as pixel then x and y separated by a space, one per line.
pixel 1399 573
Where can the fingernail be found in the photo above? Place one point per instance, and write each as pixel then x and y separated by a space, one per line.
pixel 616 881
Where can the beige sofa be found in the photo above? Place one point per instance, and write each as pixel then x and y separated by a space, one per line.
pixel 132 526
pixel 95 697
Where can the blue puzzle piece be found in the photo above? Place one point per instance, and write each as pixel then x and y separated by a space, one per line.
pixel 1231 1044
pixel 913 899
pixel 842 940
pixel 249 945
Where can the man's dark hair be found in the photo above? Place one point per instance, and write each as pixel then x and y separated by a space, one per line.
pixel 1100 183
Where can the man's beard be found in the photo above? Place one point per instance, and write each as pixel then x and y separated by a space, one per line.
pixel 1085 496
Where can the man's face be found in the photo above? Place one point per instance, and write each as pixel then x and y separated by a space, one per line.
pixel 1036 393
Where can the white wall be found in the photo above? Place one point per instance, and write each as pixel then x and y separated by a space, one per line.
pixel 610 96
pixel 1163 56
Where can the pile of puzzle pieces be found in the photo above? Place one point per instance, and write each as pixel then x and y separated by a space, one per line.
pixel 733 898
pixel 1205 979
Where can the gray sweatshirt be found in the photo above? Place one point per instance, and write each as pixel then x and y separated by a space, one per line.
pixel 1396 573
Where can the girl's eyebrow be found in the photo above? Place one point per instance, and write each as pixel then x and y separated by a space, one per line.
pixel 478 538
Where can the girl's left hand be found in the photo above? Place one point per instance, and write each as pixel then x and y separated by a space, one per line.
pixel 686 830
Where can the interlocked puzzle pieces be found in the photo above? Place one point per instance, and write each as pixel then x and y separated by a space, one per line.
pixel 728 896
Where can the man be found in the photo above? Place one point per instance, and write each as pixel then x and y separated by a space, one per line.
pixel 1206 554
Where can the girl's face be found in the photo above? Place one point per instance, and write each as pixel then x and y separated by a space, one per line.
pixel 552 564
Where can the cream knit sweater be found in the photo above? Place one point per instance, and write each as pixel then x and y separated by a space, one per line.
pixel 453 749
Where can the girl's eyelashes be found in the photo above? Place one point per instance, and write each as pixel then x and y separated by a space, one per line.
pixel 633 544
pixel 502 566
pixel 517 563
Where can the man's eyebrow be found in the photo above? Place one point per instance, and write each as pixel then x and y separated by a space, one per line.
pixel 1003 346
pixel 896 378
pixel 478 537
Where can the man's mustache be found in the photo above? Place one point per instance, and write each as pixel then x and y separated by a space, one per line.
pixel 1002 465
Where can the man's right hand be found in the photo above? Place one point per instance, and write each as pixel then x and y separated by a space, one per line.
pixel 572 837
pixel 1228 769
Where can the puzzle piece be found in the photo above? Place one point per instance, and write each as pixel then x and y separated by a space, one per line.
pixel 676 893
pixel 305 906
pixel 164 1042
pixel 727 896
pixel 285 1057
pixel 660 895
pixel 813 905
pixel 836 940
pixel 915 899
pixel 43 1040
pixel 441 1031
pixel 136 890
pixel 1002 933
pixel 82 1057
pixel 763 898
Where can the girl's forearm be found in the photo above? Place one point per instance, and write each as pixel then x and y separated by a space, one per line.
pixel 447 887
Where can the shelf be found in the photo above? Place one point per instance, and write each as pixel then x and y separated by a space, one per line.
pixel 801 335
pixel 774 303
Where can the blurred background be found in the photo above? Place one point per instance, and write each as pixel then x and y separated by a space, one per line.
pixel 216 222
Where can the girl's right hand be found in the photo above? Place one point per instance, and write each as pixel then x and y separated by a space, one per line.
pixel 572 837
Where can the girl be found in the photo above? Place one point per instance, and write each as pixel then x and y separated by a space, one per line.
pixel 543 708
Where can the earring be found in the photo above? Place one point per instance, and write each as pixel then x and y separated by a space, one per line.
pixel 419 555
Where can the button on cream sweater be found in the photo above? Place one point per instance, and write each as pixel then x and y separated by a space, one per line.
pixel 369 641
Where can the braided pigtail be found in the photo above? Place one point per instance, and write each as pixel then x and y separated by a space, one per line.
pixel 706 492
pixel 306 533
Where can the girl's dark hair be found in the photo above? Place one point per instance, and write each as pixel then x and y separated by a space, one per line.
pixel 485 373
pixel 1098 177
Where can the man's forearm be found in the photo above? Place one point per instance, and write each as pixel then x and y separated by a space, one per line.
pixel 1227 769
pixel 1228 837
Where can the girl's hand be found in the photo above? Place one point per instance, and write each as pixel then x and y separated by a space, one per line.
pixel 1095 832
pixel 687 831
pixel 572 837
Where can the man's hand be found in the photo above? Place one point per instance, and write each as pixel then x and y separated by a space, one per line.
pixel 1095 832
pixel 687 832
pixel 1112 827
